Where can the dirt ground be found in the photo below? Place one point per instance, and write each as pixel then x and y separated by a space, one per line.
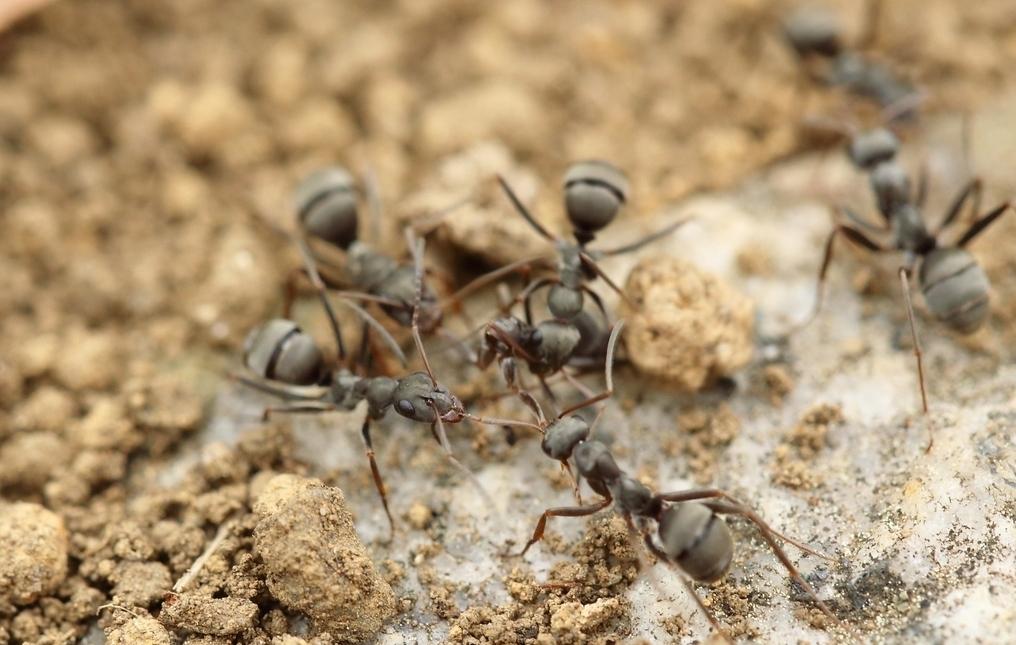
pixel 143 148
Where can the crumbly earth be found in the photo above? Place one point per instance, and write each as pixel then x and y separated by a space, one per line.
pixel 147 150
pixel 685 327
pixel 314 561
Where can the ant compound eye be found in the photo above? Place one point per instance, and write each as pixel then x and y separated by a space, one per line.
pixel 405 407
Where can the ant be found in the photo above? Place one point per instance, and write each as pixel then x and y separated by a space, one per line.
pixel 327 212
pixel 289 365
pixel 692 534
pixel 594 192
pixel 814 35
pixel 954 285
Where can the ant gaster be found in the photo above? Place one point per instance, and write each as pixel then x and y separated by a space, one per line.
pixel 691 534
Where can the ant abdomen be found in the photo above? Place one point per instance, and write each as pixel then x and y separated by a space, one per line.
pixel 955 288
pixel 326 206
pixel 812 31
pixel 279 350
pixel 594 192
pixel 698 540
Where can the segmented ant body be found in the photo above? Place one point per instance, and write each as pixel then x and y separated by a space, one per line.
pixel 814 35
pixel 955 287
pixel 594 192
pixel 288 364
pixel 691 533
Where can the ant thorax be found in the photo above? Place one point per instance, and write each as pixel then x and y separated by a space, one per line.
pixel 910 231
pixel 366 268
pixel 347 389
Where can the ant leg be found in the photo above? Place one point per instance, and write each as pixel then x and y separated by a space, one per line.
pixel 769 535
pixel 311 407
pixel 648 239
pixel 523 211
pixel 982 223
pixel 368 319
pixel 291 291
pixel 508 372
pixel 288 392
pixel 972 190
pixel 589 262
pixel 563 511
pixel 855 236
pixel 688 585
pixel 416 247
pixel 608 372
pixel 526 295
pixel 905 283
pixel 520 266
pixel 438 430
pixel 921 191
pixel 319 286
pixel 379 483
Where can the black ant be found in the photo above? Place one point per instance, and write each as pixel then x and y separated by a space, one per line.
pixel 814 35
pixel 288 364
pixel 327 213
pixel 691 533
pixel 594 192
pixel 954 285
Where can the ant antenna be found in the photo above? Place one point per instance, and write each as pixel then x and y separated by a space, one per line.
pixel 416 247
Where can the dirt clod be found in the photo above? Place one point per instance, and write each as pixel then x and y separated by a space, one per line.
pixel 314 560
pixel 33 552
pixel 142 630
pixel 205 615
pixel 685 326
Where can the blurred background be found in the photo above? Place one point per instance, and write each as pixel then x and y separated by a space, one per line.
pixel 144 145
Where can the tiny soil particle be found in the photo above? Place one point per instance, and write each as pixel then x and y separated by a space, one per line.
pixel 142 630
pixel 704 433
pixel 685 326
pixel 419 516
pixel 206 615
pixel 778 382
pixel 801 444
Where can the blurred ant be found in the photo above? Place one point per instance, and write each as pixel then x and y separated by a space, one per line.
pixel 955 287
pixel 327 217
pixel 692 535
pixel 288 364
pixel 814 35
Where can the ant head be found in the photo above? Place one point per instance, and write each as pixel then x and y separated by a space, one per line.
pixel 594 192
pixel 891 185
pixel 279 350
pixel 326 205
pixel 869 149
pixel 813 31
pixel 697 540
pixel 562 435
pixel 416 397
